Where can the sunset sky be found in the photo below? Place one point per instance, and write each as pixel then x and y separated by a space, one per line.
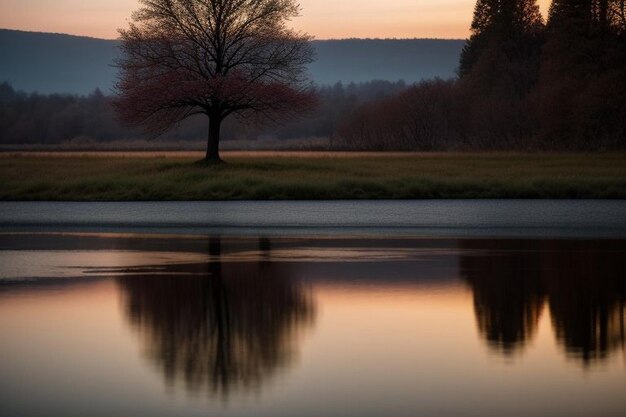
pixel 323 19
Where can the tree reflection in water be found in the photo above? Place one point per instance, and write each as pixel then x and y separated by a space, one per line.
pixel 507 299
pixel 583 283
pixel 217 326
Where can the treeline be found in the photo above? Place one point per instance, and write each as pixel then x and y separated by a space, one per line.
pixel 57 118
pixel 523 84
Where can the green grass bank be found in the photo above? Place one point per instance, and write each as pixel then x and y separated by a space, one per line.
pixel 309 176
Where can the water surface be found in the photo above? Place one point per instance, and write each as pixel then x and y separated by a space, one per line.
pixel 503 218
pixel 163 325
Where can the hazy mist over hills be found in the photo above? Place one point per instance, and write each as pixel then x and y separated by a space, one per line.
pixel 54 63
pixel 57 63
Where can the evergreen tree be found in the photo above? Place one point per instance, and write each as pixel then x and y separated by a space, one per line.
pixel 499 67
pixel 507 25
pixel 581 94
pixel 594 17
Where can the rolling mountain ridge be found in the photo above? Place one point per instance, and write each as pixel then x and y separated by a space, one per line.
pixel 58 63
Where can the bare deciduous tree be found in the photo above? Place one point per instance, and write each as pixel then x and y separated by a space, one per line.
pixel 212 57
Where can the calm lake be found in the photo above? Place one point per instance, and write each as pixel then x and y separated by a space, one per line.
pixel 131 323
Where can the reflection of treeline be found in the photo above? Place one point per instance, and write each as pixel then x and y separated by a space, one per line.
pixel 216 326
pixel 582 283
pixel 56 118
pixel 522 84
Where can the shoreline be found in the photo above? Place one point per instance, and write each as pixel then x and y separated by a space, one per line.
pixel 432 218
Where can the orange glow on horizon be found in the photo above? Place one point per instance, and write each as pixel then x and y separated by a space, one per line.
pixel 324 19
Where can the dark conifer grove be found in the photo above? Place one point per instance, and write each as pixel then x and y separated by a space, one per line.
pixel 522 84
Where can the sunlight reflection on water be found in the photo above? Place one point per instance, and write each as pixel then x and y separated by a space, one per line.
pixel 175 325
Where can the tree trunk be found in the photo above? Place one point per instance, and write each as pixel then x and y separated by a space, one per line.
pixel 213 142
pixel 604 16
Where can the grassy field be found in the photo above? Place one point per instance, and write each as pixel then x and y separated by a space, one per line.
pixel 292 175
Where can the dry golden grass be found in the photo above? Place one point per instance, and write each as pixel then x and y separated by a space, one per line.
pixel 225 154
pixel 309 175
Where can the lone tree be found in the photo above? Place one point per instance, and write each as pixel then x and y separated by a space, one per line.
pixel 213 57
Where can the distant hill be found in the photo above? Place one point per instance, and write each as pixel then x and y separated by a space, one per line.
pixel 57 63
pixel 53 63
pixel 411 60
